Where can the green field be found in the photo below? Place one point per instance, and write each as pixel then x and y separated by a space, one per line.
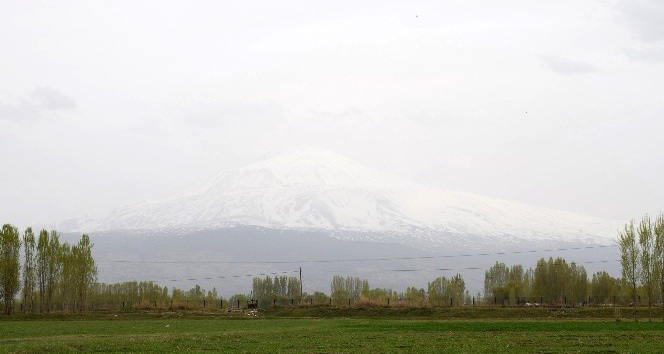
pixel 280 332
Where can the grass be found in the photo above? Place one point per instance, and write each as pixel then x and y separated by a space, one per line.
pixel 310 331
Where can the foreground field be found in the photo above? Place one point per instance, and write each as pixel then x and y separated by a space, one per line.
pixel 246 333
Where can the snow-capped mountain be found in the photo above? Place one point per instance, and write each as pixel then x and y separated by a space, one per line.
pixel 315 189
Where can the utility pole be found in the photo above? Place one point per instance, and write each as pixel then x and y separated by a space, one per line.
pixel 300 284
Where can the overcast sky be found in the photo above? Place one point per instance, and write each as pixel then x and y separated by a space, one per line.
pixel 109 103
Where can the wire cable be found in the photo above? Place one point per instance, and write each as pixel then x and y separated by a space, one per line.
pixel 357 259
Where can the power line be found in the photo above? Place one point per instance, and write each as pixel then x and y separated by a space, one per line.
pixel 221 277
pixel 479 268
pixel 357 259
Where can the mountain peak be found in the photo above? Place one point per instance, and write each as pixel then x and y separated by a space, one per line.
pixel 305 158
pixel 301 167
pixel 313 188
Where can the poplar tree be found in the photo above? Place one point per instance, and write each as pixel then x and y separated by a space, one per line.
pixel 629 260
pixel 67 278
pixel 495 282
pixel 604 287
pixel 442 289
pixel 41 267
pixel 10 283
pixel 29 270
pixel 86 270
pixel 648 260
pixel 54 269
pixel 347 288
pixel 658 230
pixel 49 266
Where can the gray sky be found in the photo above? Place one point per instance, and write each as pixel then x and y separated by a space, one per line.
pixel 108 103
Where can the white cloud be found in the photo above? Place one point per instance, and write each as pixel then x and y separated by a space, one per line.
pixel 50 99
pixel 36 105
pixel 566 66
pixel 645 17
pixel 651 53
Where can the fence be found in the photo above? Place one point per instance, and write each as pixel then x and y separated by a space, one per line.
pixel 221 304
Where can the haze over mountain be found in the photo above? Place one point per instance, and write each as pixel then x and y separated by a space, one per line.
pixel 312 208
pixel 315 189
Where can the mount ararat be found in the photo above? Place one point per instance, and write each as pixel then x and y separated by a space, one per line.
pixel 310 204
pixel 315 189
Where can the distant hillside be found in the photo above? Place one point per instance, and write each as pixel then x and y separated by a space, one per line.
pixel 318 190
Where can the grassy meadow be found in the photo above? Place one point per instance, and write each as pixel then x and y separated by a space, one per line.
pixel 315 331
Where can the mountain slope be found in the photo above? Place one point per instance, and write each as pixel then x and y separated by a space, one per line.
pixel 315 189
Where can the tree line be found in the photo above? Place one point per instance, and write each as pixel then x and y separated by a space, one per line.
pixel 553 281
pixel 59 273
pixel 642 259
pixel 51 271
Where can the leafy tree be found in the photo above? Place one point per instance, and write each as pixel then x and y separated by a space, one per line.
pixel 294 289
pixel 517 284
pixel 85 274
pixel 559 282
pixel 414 296
pixel 658 229
pixel 278 288
pixel 238 300
pixel 505 284
pixel 10 246
pixel 457 289
pixel 442 290
pixel 348 288
pixel 195 293
pixel 378 295
pixel 495 281
pixel 604 287
pixel 29 274
pixel 629 260
pixel 49 266
pixel 317 298
pixel 41 267
pixel 648 260
pixel 262 289
pixel 437 290
pixel 66 282
pixel 578 291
